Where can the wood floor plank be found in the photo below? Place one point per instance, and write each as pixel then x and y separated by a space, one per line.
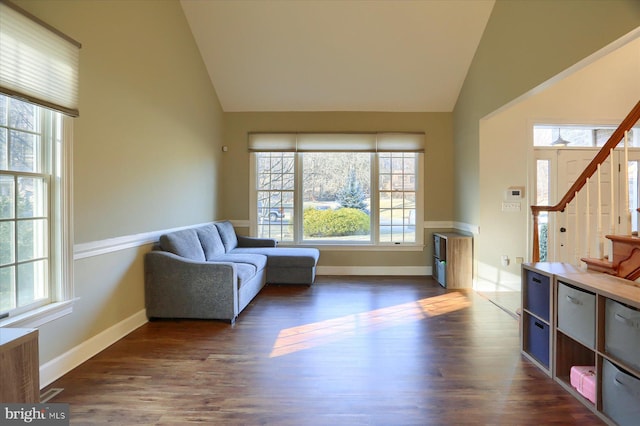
pixel 346 351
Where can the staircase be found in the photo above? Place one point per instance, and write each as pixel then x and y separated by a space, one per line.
pixel 626 258
pixel 623 258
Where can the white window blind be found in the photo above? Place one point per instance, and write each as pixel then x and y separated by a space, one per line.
pixel 337 142
pixel 37 63
pixel 272 142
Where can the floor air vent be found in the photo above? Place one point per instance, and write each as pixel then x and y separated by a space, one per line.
pixel 50 393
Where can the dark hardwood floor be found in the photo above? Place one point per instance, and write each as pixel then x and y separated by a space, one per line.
pixel 347 351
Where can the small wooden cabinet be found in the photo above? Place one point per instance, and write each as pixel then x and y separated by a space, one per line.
pixel 453 259
pixel 593 321
pixel 19 365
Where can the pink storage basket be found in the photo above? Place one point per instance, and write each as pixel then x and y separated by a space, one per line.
pixel 583 378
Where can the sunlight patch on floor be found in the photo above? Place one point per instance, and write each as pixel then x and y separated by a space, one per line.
pixel 308 336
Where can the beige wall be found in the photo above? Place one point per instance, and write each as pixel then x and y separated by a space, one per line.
pixel 525 43
pixel 438 197
pixel 601 93
pixel 146 148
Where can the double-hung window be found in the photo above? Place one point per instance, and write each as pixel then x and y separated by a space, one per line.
pixel 337 189
pixel 38 94
pixel 30 204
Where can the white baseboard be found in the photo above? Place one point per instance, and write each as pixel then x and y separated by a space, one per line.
pixel 59 366
pixel 375 270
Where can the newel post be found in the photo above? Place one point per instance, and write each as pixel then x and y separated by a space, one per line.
pixel 536 241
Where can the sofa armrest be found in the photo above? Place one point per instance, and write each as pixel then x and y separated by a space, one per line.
pixel 176 287
pixel 256 242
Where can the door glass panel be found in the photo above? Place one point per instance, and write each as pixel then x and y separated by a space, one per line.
pixel 543 183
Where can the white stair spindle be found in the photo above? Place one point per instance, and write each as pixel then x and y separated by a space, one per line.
pixel 561 253
pixel 627 214
pixel 587 220
pixel 576 257
pixel 612 205
pixel 599 235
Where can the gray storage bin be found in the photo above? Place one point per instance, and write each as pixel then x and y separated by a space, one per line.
pixel 620 395
pixel 442 273
pixel 538 291
pixel 437 248
pixel 577 314
pixel 537 339
pixel 622 333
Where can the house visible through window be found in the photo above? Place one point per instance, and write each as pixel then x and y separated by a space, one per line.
pixel 335 189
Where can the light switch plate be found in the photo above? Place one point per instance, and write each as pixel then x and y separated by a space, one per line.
pixel 510 207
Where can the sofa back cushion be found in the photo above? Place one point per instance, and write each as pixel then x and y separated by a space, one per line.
pixel 184 243
pixel 211 241
pixel 228 235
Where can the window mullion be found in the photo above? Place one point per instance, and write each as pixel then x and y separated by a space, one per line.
pixel 375 199
pixel 15 241
pixel 47 145
pixel 298 199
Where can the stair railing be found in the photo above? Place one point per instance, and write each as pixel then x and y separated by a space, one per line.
pixel 582 180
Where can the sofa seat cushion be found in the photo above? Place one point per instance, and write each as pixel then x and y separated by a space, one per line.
pixel 259 261
pixel 228 235
pixel 296 257
pixel 183 243
pixel 245 272
pixel 211 241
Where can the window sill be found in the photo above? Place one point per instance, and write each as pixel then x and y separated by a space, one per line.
pixel 37 317
pixel 357 247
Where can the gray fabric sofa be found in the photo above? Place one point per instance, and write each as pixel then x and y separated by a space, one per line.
pixel 209 272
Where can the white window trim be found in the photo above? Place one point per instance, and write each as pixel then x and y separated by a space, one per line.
pixel 361 247
pixel 39 316
pixel 374 245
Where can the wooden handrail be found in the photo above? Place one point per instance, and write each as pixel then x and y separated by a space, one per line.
pixel 592 167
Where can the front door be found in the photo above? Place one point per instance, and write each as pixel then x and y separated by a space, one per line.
pixel 574 234
pixel 578 228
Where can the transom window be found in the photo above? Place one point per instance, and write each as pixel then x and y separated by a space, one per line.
pixel 563 136
pixel 314 194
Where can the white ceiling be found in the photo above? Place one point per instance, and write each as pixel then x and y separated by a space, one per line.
pixel 337 55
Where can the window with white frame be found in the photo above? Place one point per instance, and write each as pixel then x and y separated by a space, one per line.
pixel 38 94
pixel 27 136
pixel 337 189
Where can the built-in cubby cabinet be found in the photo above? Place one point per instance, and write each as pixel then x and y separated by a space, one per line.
pixel 593 321
pixel 452 259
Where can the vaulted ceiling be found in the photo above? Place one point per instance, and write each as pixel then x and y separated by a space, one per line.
pixel 337 55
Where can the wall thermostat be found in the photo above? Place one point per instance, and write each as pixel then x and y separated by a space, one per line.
pixel 514 193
